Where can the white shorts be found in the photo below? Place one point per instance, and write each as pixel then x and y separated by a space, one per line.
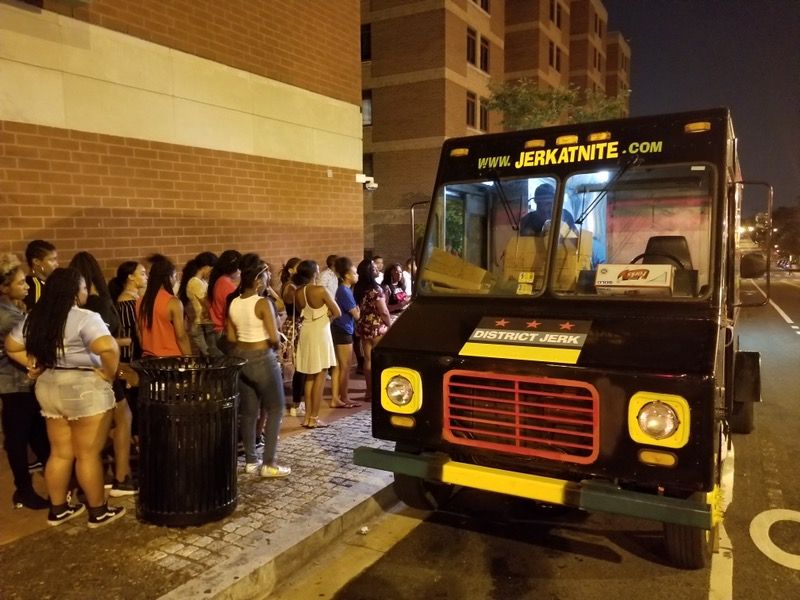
pixel 73 393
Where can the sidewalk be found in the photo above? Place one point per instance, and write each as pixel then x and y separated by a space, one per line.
pixel 276 526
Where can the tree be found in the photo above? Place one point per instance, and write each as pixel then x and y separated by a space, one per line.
pixel 526 105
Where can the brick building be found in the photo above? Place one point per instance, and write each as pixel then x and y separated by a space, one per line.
pixel 426 69
pixel 133 126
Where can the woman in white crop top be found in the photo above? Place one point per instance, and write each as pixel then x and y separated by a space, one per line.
pixel 252 328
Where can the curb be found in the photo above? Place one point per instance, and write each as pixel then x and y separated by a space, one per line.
pixel 255 573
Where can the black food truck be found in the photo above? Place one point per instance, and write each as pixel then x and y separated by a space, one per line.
pixel 572 337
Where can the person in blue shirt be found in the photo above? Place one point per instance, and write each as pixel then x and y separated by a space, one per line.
pixel 342 330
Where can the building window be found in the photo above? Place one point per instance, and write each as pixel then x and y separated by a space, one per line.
pixel 366 165
pixel 472 45
pixel 483 114
pixel 555 13
pixel 472 100
pixel 554 56
pixel 484 54
pixel 366 107
pixel 484 4
pixel 366 42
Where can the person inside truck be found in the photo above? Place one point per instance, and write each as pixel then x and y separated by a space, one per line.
pixel 534 223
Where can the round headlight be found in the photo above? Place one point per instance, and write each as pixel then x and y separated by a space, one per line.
pixel 399 390
pixel 658 420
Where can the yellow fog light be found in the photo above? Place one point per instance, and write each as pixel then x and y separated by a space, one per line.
pixel 659 419
pixel 401 390
pixel 402 421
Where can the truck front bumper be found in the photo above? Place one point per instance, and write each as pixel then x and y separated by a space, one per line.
pixel 590 495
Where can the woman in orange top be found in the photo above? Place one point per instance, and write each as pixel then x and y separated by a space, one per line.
pixel 160 314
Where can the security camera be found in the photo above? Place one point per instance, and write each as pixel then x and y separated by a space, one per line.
pixel 371 186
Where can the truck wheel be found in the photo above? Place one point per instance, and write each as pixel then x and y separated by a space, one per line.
pixel 421 493
pixel 689 547
pixel 742 417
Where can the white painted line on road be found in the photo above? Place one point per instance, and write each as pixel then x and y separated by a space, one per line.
pixel 720 579
pixel 759 532
pixel 775 306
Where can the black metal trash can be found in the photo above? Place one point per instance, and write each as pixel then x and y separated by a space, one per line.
pixel 188 436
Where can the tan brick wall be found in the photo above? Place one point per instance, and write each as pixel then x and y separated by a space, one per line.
pixel 311 44
pixel 123 198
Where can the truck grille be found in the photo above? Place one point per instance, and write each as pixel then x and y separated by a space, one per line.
pixel 556 419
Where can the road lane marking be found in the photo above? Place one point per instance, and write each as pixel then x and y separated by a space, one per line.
pixel 759 532
pixel 720 579
pixel 775 306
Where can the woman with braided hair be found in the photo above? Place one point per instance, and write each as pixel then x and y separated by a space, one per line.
pixel 72 356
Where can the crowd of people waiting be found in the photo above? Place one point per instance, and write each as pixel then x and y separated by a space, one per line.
pixel 68 338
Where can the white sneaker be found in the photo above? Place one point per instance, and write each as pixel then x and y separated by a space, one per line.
pixel 251 468
pixel 293 412
pixel 268 472
pixel 301 410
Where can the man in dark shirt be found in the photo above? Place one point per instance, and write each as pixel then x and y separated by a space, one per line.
pixel 42 260
pixel 533 223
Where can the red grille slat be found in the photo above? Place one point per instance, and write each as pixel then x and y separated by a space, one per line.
pixel 555 419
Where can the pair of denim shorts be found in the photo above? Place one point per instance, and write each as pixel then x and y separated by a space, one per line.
pixel 73 393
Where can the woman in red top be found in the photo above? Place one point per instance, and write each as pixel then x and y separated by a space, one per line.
pixel 160 314
pixel 222 282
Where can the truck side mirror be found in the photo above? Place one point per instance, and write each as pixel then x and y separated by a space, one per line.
pixel 753 265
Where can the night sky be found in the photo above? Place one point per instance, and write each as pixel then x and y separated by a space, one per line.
pixel 743 54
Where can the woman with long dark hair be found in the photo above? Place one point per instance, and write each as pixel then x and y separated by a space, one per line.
pixel 315 351
pixel 374 319
pixel 222 282
pixel 252 329
pixel 74 359
pixel 291 329
pixel 23 424
pixel 193 293
pixel 99 301
pixel 159 314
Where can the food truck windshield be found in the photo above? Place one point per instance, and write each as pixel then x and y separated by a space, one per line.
pixel 634 232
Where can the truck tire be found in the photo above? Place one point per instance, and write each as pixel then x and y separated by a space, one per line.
pixel 689 547
pixel 421 493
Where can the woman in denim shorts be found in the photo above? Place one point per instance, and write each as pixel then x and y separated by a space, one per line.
pixel 73 358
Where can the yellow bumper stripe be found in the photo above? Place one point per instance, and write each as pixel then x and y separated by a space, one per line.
pixel 518 352
pixel 534 487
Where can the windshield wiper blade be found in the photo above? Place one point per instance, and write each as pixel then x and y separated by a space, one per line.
pixel 504 199
pixel 634 160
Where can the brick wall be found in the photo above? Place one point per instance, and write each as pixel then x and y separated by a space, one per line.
pixel 123 198
pixel 312 44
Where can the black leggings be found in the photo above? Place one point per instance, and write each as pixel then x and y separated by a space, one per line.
pixel 298 382
pixel 23 425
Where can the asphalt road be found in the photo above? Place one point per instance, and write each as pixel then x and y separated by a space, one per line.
pixel 486 546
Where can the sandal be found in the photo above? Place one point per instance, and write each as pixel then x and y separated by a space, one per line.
pixel 317 424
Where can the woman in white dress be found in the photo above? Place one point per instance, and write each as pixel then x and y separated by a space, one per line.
pixel 315 349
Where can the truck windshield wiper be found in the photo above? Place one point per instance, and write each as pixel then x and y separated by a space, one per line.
pixel 634 160
pixel 504 199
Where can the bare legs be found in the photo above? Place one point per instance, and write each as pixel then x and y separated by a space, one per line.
pixel 77 442
pixel 341 377
pixel 122 440
pixel 367 344
pixel 316 383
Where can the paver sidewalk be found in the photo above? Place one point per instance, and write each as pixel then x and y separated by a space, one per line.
pixel 276 523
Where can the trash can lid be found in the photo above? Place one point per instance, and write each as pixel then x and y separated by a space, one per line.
pixel 188 363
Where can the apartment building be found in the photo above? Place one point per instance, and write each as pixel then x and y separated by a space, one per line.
pixel 134 126
pixel 426 70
